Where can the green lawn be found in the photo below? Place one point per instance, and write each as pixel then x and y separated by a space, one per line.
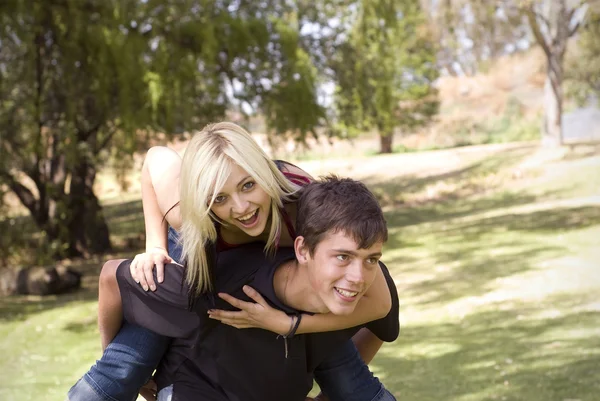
pixel 497 264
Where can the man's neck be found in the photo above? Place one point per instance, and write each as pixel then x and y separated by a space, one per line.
pixel 293 288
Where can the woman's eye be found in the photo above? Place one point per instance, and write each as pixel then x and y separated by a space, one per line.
pixel 220 199
pixel 248 185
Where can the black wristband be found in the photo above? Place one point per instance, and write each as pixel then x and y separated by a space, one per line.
pixel 293 332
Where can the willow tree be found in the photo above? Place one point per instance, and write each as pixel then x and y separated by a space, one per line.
pixel 82 81
pixel 384 70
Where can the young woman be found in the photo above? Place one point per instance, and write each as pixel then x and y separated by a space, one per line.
pixel 259 208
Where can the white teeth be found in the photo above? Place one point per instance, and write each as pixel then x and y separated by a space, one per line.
pixel 247 216
pixel 346 293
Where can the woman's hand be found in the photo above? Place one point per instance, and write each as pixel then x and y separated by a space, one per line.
pixel 258 314
pixel 143 263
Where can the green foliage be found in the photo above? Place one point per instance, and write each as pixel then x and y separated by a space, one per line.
pixel 583 67
pixel 385 69
pixel 473 33
pixel 82 81
pixel 511 126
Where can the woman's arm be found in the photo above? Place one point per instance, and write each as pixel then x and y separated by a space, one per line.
pixel 374 305
pixel 160 192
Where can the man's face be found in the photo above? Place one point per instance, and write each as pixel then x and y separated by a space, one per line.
pixel 340 272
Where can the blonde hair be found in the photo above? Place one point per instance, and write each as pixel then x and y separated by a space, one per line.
pixel 205 169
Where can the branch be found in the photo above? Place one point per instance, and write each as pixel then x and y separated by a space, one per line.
pixel 537 33
pixel 106 140
pixel 582 6
pixel 23 193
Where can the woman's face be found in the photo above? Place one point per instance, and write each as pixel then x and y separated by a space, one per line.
pixel 242 203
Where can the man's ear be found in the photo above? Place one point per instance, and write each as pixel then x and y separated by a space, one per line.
pixel 301 250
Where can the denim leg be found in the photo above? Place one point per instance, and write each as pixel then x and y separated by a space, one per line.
pixel 126 365
pixel 174 246
pixel 345 377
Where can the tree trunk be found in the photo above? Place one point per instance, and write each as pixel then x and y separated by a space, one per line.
pixel 552 134
pixel 385 142
pixel 87 229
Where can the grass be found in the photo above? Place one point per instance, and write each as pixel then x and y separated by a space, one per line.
pixel 496 261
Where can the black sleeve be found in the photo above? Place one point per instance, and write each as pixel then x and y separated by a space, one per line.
pixel 164 311
pixel 388 328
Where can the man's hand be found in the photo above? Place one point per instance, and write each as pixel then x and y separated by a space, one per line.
pixel 148 391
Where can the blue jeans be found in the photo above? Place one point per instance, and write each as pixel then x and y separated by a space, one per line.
pixel 174 245
pixel 345 377
pixel 125 366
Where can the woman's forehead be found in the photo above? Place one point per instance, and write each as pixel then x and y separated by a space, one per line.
pixel 230 177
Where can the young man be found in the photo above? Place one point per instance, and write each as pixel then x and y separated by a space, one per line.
pixel 341 233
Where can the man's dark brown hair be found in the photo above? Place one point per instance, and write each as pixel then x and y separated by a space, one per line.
pixel 339 205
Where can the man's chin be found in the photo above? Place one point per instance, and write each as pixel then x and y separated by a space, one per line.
pixel 342 310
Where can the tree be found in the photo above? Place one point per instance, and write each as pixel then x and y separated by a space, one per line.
pixel 86 81
pixel 472 32
pixel 384 70
pixel 552 24
pixel 583 70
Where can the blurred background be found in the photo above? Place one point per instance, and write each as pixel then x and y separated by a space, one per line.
pixel 476 123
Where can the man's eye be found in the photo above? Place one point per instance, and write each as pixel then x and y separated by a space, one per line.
pixel 248 185
pixel 342 258
pixel 372 261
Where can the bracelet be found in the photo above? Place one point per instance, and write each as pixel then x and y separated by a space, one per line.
pixel 293 331
pixel 293 327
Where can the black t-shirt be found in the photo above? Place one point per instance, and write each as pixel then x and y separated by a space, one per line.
pixel 212 361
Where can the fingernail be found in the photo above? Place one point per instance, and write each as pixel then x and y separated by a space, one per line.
pixel 145 288
pixel 152 287
pixel 211 310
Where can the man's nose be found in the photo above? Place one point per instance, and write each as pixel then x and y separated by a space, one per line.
pixel 355 273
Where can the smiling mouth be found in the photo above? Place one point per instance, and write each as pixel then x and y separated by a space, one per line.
pixel 249 219
pixel 346 293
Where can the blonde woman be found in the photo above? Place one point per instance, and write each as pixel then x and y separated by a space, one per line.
pixel 188 197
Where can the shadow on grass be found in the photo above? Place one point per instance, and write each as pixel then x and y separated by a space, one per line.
pixel 470 256
pixel 500 354
pixel 20 307
pixel 469 177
